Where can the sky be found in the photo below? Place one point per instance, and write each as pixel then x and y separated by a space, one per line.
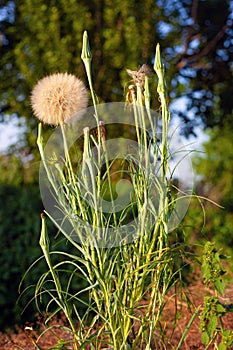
pixel 9 133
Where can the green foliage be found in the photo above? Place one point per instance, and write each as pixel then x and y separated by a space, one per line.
pixel 41 37
pixel 19 227
pixel 17 172
pixel 215 166
pixel 211 267
pixel 213 310
pixel 61 345
pixel 19 236
pixel 51 39
pixel 205 221
pixel 227 340
pixel 211 323
pixel 219 226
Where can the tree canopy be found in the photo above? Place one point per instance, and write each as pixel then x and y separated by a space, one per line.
pixel 216 166
pixel 40 37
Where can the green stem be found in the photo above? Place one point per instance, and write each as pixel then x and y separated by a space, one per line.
pixel 40 143
pixel 86 57
pixel 162 91
pixel 44 243
pixel 188 327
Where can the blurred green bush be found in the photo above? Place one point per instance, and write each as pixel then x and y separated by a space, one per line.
pixel 19 246
pixel 20 226
pixel 19 235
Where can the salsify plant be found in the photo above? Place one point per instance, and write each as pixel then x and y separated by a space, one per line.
pixel 115 206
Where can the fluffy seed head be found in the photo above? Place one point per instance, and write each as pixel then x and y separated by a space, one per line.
pixel 58 97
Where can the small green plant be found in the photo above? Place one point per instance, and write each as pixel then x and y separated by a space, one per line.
pixel 211 324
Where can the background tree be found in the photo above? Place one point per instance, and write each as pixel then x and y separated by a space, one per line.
pixel 196 36
pixel 215 166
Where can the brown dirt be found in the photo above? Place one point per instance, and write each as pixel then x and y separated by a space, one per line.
pixel 23 339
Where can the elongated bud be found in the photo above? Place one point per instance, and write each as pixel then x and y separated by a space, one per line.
pixel 159 69
pixel 86 57
pixel 86 51
pixel 44 239
pixel 158 59
pixel 86 146
pixel 40 137
pixel 146 89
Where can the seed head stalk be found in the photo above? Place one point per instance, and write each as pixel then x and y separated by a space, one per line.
pixel 141 110
pixel 40 144
pixel 162 91
pixel 136 114
pixel 86 57
pixel 147 99
pixel 159 277
pixel 157 295
pixel 44 243
pixel 140 117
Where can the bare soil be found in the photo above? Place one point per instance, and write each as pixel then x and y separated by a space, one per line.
pixel 24 338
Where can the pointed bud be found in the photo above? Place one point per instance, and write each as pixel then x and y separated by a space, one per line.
pixel 86 145
pixel 158 59
pixel 159 69
pixel 86 51
pixel 44 239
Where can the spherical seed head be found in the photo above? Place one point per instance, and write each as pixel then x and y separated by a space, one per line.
pixel 58 97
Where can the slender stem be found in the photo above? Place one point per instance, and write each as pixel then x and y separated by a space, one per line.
pixel 188 327
pixel 162 91
pixel 40 143
pixel 44 243
pixel 140 107
pixel 86 57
